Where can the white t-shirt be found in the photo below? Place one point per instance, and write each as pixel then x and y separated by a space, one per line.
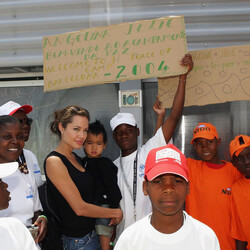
pixel 193 235
pixel 143 205
pixel 15 236
pixel 33 166
pixel 24 197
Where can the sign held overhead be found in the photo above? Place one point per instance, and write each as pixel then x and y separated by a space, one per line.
pixel 219 75
pixel 116 53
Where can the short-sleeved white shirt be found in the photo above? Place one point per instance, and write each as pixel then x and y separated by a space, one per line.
pixel 15 236
pixel 193 235
pixel 33 166
pixel 24 197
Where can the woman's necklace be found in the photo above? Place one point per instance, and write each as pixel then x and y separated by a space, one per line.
pixel 22 164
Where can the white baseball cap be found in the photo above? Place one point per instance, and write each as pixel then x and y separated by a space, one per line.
pixel 122 118
pixel 9 108
pixel 7 169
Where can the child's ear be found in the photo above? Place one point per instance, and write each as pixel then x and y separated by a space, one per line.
pixel 138 131
pixel 145 188
pixel 234 161
pixel 219 141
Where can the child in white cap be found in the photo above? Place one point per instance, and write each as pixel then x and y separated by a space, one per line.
pixel 168 227
pixel 13 234
pixel 132 160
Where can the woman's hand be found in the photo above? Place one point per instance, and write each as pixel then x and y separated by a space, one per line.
pixel 41 222
pixel 119 216
pixel 117 219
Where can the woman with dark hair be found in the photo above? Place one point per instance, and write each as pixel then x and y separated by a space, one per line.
pixel 70 186
pixel 25 204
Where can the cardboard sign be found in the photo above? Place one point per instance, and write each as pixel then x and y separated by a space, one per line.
pixel 219 75
pixel 119 52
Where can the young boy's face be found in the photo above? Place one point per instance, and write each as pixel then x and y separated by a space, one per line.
pixel 94 145
pixel 167 193
pixel 207 149
pixel 126 138
pixel 242 162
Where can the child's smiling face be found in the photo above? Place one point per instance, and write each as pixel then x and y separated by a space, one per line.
pixel 207 149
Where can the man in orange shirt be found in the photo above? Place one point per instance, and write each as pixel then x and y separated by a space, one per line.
pixel 240 225
pixel 211 180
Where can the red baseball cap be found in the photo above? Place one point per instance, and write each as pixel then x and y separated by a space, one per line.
pixel 166 160
pixel 9 108
pixel 204 130
pixel 238 144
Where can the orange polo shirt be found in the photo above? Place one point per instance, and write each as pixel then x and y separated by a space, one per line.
pixel 209 199
pixel 240 224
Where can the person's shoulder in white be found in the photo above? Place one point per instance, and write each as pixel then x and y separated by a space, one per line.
pixel 193 235
pixel 33 166
pixel 14 235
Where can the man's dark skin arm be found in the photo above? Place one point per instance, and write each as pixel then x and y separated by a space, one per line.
pixel 172 120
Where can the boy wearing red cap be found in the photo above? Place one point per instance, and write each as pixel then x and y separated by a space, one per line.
pixel 211 180
pixel 168 227
pixel 13 234
pixel 240 225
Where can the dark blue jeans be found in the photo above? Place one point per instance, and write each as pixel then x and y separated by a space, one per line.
pixel 88 242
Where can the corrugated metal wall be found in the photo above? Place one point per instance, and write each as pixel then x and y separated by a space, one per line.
pixel 209 23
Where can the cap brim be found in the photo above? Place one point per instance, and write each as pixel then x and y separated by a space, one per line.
pixel 7 169
pixel 26 108
pixel 239 150
pixel 166 169
pixel 123 122
pixel 205 136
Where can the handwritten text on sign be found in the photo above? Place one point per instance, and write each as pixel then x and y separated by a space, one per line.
pixel 119 52
pixel 219 75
